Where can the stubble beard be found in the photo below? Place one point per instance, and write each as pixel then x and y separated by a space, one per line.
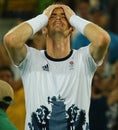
pixel 56 34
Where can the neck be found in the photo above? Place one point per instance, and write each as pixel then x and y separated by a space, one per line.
pixel 58 47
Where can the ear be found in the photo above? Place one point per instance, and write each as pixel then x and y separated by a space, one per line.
pixel 44 31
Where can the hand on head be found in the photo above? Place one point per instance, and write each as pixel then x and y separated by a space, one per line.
pixel 68 11
pixel 48 11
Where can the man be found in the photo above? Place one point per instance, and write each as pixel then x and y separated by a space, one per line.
pixel 6 99
pixel 57 81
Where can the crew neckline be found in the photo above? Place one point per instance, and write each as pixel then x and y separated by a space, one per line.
pixel 60 59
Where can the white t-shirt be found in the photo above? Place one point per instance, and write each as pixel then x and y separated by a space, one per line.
pixel 57 91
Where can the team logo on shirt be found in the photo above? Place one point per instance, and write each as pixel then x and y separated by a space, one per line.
pixel 45 67
pixel 71 65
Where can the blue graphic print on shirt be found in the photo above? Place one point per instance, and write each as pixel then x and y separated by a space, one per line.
pixel 58 118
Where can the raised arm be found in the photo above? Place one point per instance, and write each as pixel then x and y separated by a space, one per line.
pixel 14 42
pixel 15 39
pixel 98 37
pixel 99 41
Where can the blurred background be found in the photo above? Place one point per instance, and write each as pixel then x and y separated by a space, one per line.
pixel 105 82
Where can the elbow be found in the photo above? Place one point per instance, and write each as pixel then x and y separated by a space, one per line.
pixel 105 39
pixel 9 40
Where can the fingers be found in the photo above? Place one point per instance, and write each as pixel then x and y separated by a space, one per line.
pixel 68 11
pixel 49 9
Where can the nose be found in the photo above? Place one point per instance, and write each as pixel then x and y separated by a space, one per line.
pixel 58 17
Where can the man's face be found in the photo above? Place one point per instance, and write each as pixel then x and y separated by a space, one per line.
pixel 58 21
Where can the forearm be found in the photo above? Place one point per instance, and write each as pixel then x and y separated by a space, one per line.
pixel 38 22
pixel 87 28
pixel 97 36
pixel 99 39
pixel 21 33
pixel 79 23
pixel 18 35
pixel 16 38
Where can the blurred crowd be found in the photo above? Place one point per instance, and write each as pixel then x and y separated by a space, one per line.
pixel 104 96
